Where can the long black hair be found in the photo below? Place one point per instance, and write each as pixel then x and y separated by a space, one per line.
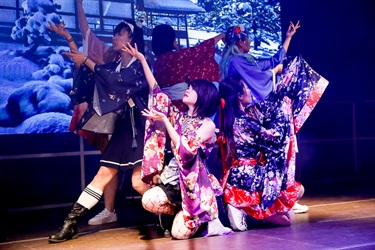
pixel 230 89
pixel 207 97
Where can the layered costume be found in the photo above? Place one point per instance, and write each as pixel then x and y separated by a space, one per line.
pixel 261 179
pixel 197 187
pixel 116 95
pixel 97 51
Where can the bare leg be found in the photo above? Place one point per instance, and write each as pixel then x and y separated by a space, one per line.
pixel 137 183
pixel 109 176
pixel 103 177
pixel 109 194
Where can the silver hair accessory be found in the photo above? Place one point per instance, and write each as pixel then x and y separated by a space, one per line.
pixel 131 26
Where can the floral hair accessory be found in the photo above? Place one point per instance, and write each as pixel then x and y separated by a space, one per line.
pixel 239 29
pixel 235 33
pixel 131 26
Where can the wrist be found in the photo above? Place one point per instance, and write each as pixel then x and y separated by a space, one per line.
pixel 69 40
pixel 84 60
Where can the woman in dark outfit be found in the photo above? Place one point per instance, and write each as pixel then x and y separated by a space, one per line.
pixel 120 90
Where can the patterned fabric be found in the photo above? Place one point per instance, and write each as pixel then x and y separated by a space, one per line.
pixel 197 62
pixel 115 88
pixel 95 49
pixel 261 180
pixel 198 188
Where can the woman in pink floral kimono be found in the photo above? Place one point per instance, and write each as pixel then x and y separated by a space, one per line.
pixel 192 136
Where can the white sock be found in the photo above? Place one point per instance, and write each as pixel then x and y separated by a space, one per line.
pixel 216 228
pixel 90 197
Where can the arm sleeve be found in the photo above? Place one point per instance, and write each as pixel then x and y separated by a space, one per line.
pixel 197 54
pixel 259 81
pixel 115 88
pixel 94 48
pixel 273 61
pixel 272 131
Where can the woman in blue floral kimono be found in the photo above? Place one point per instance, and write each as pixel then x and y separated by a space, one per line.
pixel 260 147
pixel 192 136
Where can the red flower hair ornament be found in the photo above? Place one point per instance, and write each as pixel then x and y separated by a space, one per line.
pixel 235 33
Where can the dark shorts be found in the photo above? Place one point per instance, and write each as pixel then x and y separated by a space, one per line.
pixel 173 193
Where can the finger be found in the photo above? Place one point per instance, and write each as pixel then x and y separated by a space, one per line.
pixel 125 49
pixel 68 54
pixel 130 47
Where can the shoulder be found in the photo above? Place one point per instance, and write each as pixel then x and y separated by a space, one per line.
pixel 208 124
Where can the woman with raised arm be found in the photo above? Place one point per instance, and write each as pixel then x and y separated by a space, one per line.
pixel 121 90
pixel 259 144
pixel 97 51
pixel 173 65
pixel 259 75
pixel 192 136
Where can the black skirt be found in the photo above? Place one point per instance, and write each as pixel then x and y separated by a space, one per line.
pixel 124 150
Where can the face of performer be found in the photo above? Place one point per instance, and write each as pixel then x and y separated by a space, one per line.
pixel 190 96
pixel 245 98
pixel 244 45
pixel 121 38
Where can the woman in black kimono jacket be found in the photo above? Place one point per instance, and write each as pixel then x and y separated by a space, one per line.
pixel 116 93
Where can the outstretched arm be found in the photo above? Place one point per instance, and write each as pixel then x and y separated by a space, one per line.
pixel 289 34
pixel 82 20
pixel 153 114
pixel 60 29
pixel 219 37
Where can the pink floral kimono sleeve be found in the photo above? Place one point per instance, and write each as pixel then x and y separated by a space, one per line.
pixel 155 136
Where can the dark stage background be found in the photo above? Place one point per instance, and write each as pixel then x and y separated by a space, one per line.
pixel 336 144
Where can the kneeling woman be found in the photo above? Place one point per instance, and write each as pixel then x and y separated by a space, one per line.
pixel 192 136
pixel 258 142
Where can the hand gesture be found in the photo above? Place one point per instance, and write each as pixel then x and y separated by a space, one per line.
pixel 292 29
pixel 76 56
pixel 153 114
pixel 278 69
pixel 133 51
pixel 59 28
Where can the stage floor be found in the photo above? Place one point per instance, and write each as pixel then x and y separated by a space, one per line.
pixel 334 221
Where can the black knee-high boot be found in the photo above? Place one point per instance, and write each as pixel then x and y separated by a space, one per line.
pixel 69 229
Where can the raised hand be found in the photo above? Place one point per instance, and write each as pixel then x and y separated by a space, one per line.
pixel 76 56
pixel 153 114
pixel 292 29
pixel 133 51
pixel 59 28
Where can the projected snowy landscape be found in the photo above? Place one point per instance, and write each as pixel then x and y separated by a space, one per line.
pixel 35 78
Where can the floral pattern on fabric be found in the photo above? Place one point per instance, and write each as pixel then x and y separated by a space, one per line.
pixel 115 89
pixel 261 179
pixel 196 62
pixel 198 194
